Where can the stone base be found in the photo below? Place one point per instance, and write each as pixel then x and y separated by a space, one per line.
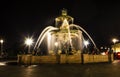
pixel 63 58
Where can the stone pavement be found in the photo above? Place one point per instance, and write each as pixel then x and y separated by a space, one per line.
pixel 62 70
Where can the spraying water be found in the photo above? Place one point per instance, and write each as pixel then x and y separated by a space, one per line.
pixel 63 38
pixel 43 34
pixel 77 26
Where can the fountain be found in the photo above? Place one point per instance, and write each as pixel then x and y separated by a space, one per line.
pixel 63 43
pixel 64 38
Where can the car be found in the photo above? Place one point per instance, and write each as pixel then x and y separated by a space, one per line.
pixel 118 55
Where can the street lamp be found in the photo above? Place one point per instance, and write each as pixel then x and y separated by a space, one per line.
pixel 1 41
pixel 114 41
pixel 86 43
pixel 29 42
pixel 56 47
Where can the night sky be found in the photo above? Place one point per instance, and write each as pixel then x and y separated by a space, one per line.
pixel 20 19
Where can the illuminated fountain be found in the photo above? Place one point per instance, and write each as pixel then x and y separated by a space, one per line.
pixel 64 38
pixel 64 43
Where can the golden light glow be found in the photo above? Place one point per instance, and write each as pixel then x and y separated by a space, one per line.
pixel 117 49
pixel 56 43
pixel 1 41
pixel 28 41
pixel 2 63
pixel 86 43
pixel 114 40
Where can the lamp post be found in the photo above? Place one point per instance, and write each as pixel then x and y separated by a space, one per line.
pixel 56 47
pixel 29 42
pixel 114 41
pixel 86 44
pixel 1 41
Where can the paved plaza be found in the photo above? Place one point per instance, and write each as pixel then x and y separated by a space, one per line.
pixel 61 70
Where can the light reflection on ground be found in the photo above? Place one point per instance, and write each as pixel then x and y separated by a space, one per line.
pixel 61 70
pixel 2 63
pixel 116 61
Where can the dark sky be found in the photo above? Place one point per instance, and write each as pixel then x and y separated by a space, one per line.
pixel 19 19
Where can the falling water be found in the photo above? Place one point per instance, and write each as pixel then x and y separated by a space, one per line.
pixel 43 34
pixel 63 36
pixel 79 27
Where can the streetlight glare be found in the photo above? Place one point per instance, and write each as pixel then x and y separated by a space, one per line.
pixel 86 43
pixel 1 41
pixel 114 40
pixel 1 51
pixel 28 41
